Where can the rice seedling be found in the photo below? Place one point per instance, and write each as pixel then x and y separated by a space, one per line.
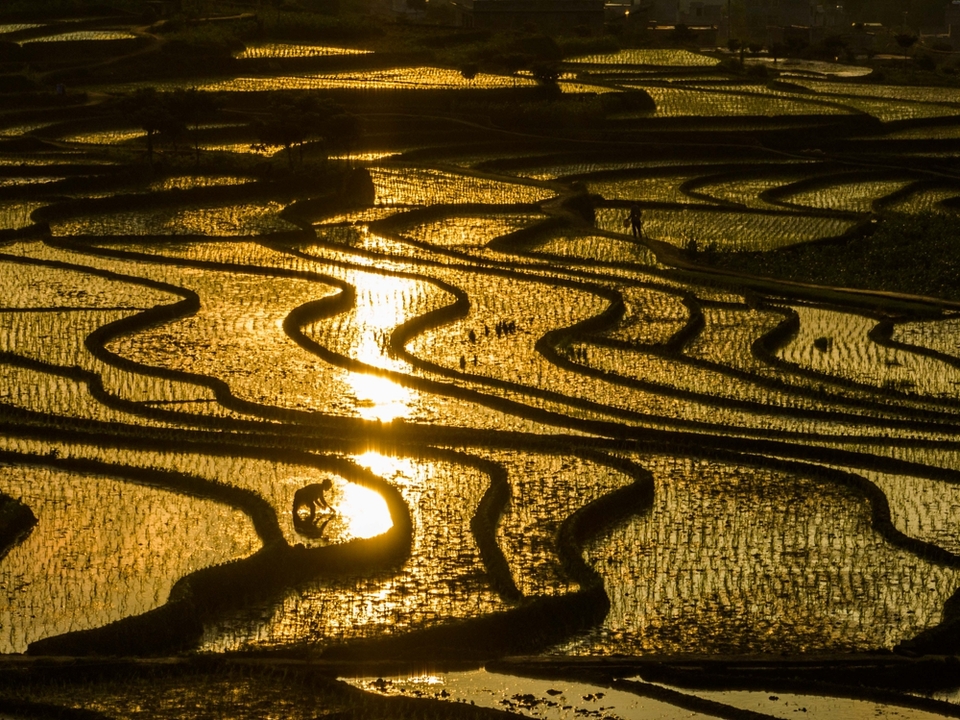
pixel 847 352
pixel 728 231
pixel 888 92
pixel 801 68
pixel 659 58
pixel 443 577
pixel 295 50
pixel 599 248
pixel 420 78
pixel 665 188
pixel 740 559
pixel 7 28
pixel 465 233
pixel 414 186
pixel 231 220
pixel 83 35
pixel 115 549
pixel 852 197
pixel 105 137
pixel 923 201
pixel 682 102
pixel 15 215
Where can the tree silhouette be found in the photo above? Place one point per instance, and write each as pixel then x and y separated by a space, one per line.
pixel 151 111
pixel 906 40
pixel 293 119
pixel 189 107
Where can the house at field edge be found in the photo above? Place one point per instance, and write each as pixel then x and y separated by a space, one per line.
pixel 809 21
pixel 546 15
pixel 164 8
pixel 953 23
pixel 704 20
pixel 767 21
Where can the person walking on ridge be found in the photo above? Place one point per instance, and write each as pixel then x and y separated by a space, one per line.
pixel 636 221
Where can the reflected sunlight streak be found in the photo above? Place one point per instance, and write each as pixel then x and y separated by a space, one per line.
pixel 364 511
pixel 378 398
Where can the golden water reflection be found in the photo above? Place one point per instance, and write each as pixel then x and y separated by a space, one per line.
pixel 378 398
pixel 364 511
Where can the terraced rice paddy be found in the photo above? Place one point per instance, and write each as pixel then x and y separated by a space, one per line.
pixel 84 35
pixel 659 58
pixel 413 78
pixel 472 414
pixel 294 50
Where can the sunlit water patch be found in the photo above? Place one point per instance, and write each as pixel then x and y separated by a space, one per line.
pixel 57 396
pixel 349 510
pixel 295 50
pixel 665 188
pixel 545 491
pixel 791 67
pixel 599 248
pixel 941 132
pixel 248 219
pixel 16 215
pixel 547 699
pixel 104 550
pixel 682 102
pixel 730 231
pixel 788 706
pixel 912 93
pixel 415 186
pixel 291 377
pixel 942 336
pixel 736 559
pixel 84 35
pixel 105 137
pixel 412 78
pixel 650 316
pixel 743 191
pixel 238 337
pixel 923 201
pixel 188 182
pixel 661 58
pixel 39 288
pixel 928 510
pixel 853 197
pixel 17 27
pixel 466 234
pixel 837 343
pixel 20 181
pixel 18 130
pixel 442 579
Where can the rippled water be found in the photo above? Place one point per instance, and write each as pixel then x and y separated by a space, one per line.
pixel 476 415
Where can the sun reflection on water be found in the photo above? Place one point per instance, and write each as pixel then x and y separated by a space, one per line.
pixel 378 398
pixel 364 511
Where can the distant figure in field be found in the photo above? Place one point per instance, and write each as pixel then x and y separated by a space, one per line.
pixel 635 220
pixel 308 501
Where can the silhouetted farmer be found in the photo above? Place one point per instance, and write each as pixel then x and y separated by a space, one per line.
pixel 636 221
pixel 311 498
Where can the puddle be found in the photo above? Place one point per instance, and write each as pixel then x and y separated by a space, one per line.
pixel 548 699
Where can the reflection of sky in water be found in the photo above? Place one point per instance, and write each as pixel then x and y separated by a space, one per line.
pixel 566 700
pixel 104 549
pixel 364 510
pixel 547 699
pixel 379 398
pixel 720 550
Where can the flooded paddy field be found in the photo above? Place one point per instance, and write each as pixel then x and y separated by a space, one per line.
pixel 413 390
